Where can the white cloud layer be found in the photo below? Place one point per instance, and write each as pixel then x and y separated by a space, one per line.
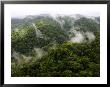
pixel 22 10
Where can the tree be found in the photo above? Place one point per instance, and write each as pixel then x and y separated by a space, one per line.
pixel 23 40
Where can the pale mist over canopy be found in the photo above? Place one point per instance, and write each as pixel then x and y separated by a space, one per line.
pixel 23 10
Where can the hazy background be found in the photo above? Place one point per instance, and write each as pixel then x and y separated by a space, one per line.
pixel 22 10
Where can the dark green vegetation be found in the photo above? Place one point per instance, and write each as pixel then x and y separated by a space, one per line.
pixel 42 46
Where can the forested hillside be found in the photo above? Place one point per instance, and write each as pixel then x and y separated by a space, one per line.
pixel 60 46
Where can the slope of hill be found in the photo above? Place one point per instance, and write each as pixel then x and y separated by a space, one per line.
pixel 43 45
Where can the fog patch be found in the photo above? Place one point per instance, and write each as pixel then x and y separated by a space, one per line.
pixel 78 37
pixel 60 21
pixel 38 32
pixel 15 55
pixel 39 52
pixel 90 36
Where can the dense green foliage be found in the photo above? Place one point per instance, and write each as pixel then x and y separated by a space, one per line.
pixel 59 57
pixel 87 24
pixel 23 39
pixel 51 29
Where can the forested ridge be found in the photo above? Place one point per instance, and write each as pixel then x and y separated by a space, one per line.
pixel 60 46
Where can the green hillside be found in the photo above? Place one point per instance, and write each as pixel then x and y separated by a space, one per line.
pixel 61 46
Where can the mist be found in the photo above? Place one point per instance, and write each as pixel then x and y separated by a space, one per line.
pixel 75 35
pixel 79 37
pixel 38 32
pixel 39 52
pixel 90 36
